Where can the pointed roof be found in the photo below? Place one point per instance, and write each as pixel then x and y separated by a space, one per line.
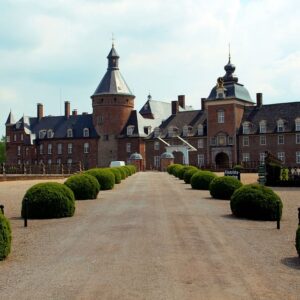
pixel 113 82
pixel 10 119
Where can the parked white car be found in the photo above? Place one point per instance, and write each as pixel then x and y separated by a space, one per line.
pixel 117 163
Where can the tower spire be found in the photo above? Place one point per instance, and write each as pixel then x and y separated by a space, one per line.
pixel 112 40
pixel 229 56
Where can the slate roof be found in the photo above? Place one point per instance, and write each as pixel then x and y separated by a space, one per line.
pixel 59 125
pixel 10 119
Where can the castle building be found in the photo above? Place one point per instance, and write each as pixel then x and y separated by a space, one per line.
pixel 229 129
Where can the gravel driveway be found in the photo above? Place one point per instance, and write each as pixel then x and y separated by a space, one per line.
pixel 152 237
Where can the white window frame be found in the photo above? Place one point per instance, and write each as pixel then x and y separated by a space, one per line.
pixel 156 161
pixel 262 140
pixel 297 157
pixel 59 148
pixel 49 148
pixel 201 160
pixel 230 140
pixel 280 126
pixel 69 161
pixel 297 124
pixel 297 138
pixel 69 132
pixel 200 129
pixel 281 156
pixel 19 150
pixel 50 134
pixel 262 126
pixel 213 141
pixel 49 161
pixel 22 137
pixel 128 147
pixel 280 139
pixel 70 148
pixel 185 130
pixel 86 132
pixel 246 141
pixel 246 128
pixel 200 143
pixel 156 145
pixel 15 137
pixel 221 116
pixel 58 161
pixel 262 156
pixel 130 130
pixel 86 148
pixel 246 157
pixel 42 134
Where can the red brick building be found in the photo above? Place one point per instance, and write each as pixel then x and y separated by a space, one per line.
pixel 229 128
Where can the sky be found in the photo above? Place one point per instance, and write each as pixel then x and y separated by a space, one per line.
pixel 53 51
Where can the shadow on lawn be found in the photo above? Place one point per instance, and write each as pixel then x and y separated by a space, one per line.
pixel 292 262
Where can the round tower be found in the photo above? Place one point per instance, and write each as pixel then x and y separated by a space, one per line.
pixel 113 103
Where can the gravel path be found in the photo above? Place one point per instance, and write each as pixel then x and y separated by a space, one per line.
pixel 152 237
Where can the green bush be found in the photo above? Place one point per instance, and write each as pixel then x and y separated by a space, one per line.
pixel 169 168
pixel 105 178
pixel 176 170
pixel 172 168
pixel 49 200
pixel 84 186
pixel 257 202
pixel 126 170
pixel 223 187
pixel 132 168
pixel 238 168
pixel 298 240
pixel 182 171
pixel 201 180
pixel 188 175
pixel 117 174
pixel 5 237
pixel 122 172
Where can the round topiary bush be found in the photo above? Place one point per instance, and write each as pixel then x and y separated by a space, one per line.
pixel 49 200
pixel 223 187
pixel 298 240
pixel 122 172
pixel 188 175
pixel 172 168
pixel 117 174
pixel 182 171
pixel 132 168
pixel 202 179
pixel 105 178
pixel 126 170
pixel 5 237
pixel 84 186
pixel 256 202
pixel 176 170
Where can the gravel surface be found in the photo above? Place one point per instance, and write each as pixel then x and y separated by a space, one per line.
pixel 152 237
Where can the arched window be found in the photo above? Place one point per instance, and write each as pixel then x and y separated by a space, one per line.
pixel 86 132
pixel 69 132
pixel 50 134
pixel 262 126
pixel 280 125
pixel 200 129
pixel 130 129
pixel 246 128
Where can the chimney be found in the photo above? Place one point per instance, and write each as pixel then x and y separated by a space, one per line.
pixel 181 100
pixel 203 103
pixel 74 112
pixel 175 107
pixel 259 99
pixel 40 110
pixel 67 109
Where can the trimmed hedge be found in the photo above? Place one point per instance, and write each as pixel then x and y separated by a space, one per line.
pixel 84 186
pixel 256 202
pixel 126 170
pixel 182 171
pixel 105 178
pixel 188 175
pixel 171 168
pixel 298 240
pixel 117 174
pixel 122 172
pixel 5 237
pixel 132 168
pixel 202 179
pixel 49 200
pixel 176 170
pixel 223 187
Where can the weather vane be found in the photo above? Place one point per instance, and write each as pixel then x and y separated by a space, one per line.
pixel 229 51
pixel 113 39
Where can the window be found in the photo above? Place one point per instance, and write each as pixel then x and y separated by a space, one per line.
pixel 246 128
pixel 70 148
pixel 262 127
pixel 49 148
pixel 246 157
pixel 171 131
pixel 69 161
pixel 298 157
pixel 280 126
pixel 200 129
pixel 156 161
pixel 200 143
pixel 262 157
pixel 200 158
pixel 19 161
pixel 230 140
pixel 8 139
pixel 41 149
pixel 22 137
pixel 246 141
pixel 262 140
pixel 156 132
pixel 280 139
pixel 156 145
pixel 86 132
pixel 221 116
pixel 42 134
pixel 69 133
pixel 50 134
pixel 19 150
pixel 58 161
pixel 297 124
pixel 59 148
pixel 186 130
pixel 26 151
pixel 86 148
pixel 281 156
pixel 130 130
pixel 298 138
pixel 15 137
pixel 213 141
pixel 49 161
pixel 128 147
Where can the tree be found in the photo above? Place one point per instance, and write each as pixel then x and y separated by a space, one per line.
pixel 2 150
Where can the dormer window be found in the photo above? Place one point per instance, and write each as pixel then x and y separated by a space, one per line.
pixel 156 132
pixel 280 126
pixel 262 126
pixel 172 131
pixel 185 130
pixel 130 130
pixel 200 129
pixel 42 134
pixel 246 128
pixel 50 134
pixel 70 133
pixel 297 124
pixel 86 132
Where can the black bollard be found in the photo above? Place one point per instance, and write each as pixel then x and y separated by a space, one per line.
pixel 299 216
pixel 2 209
pixel 25 212
pixel 278 216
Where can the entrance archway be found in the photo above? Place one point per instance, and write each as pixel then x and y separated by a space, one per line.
pixel 222 160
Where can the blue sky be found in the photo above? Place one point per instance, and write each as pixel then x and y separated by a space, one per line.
pixel 167 48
